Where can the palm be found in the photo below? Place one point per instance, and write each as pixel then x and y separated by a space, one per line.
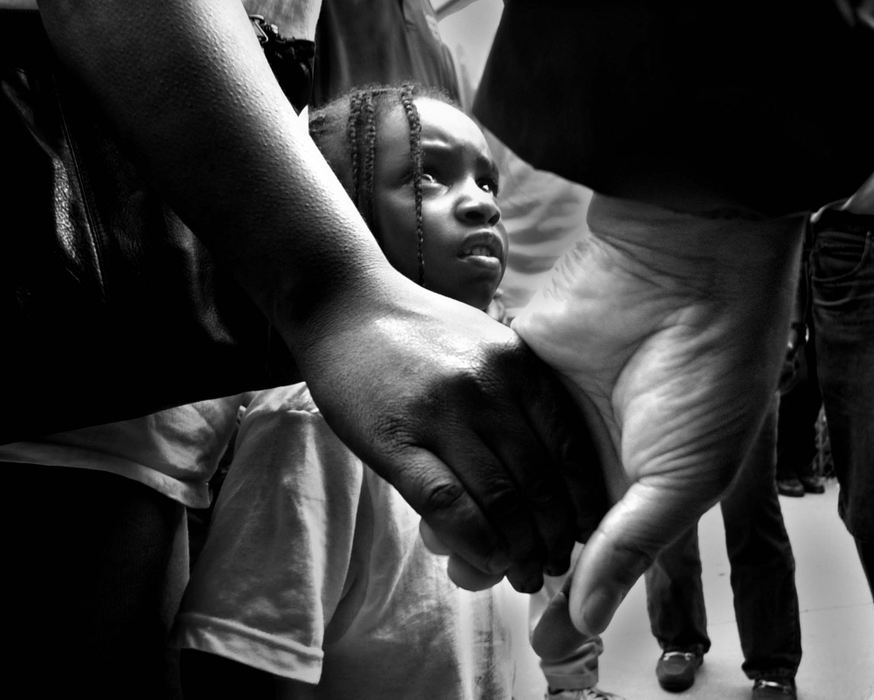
pixel 672 347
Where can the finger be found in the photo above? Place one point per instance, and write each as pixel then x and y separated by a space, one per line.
pixel 469 577
pixel 432 541
pixel 494 485
pixel 461 573
pixel 548 505
pixel 644 521
pixel 566 491
pixel 454 518
pixel 567 435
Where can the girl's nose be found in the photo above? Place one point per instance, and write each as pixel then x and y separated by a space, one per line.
pixel 478 206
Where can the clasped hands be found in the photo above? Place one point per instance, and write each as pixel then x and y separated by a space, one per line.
pixel 667 335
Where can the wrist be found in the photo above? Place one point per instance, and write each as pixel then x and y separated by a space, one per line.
pixel 713 254
pixel 330 308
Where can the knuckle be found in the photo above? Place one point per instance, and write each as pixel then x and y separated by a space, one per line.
pixel 638 559
pixel 441 497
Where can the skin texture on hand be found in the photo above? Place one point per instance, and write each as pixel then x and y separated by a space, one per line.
pixel 436 406
pixel 670 332
pixel 448 405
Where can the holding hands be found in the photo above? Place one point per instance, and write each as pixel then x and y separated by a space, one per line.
pixel 670 331
pixel 473 430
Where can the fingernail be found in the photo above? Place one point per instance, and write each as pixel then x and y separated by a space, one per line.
pixel 598 610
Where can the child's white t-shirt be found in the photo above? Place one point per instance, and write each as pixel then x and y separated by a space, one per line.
pixel 314 570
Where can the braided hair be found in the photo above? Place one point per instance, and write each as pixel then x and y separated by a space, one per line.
pixel 356 116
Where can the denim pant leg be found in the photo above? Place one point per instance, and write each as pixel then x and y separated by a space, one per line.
pixel 675 596
pixel 842 285
pixel 762 563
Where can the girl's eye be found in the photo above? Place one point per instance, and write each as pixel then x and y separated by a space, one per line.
pixel 490 185
pixel 429 178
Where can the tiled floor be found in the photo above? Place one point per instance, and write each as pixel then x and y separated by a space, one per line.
pixel 837 620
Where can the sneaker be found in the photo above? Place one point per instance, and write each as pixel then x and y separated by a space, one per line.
pixel 581 694
pixel 790 487
pixel 675 670
pixel 774 689
pixel 813 483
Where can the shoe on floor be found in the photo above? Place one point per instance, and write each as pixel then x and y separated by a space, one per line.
pixel 790 487
pixel 581 694
pixel 774 689
pixel 812 483
pixel 676 670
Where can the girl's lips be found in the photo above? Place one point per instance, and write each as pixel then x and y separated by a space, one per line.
pixel 482 250
pixel 485 263
pixel 483 244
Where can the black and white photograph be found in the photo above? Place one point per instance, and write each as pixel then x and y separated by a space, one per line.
pixel 437 349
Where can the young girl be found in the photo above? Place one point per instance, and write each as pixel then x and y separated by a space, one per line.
pixel 313 581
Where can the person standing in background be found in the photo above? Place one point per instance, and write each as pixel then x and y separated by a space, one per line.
pixel 762 583
pixel 840 245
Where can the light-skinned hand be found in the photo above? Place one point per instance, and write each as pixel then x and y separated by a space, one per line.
pixel 671 337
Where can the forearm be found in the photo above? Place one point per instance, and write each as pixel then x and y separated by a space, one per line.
pixel 190 92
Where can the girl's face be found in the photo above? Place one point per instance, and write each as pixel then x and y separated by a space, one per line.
pixel 465 248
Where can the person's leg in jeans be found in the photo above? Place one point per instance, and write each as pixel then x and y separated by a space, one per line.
pixel 842 283
pixel 675 597
pixel 762 564
pixel 796 429
pixel 808 471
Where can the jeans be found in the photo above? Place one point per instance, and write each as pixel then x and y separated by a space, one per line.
pixel 841 259
pixel 762 573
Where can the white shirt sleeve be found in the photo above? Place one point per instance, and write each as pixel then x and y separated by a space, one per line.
pixel 277 558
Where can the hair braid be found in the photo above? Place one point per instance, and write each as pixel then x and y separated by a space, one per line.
pixel 369 116
pixel 352 138
pixel 356 115
pixel 416 158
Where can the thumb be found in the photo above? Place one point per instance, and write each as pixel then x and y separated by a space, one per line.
pixel 644 521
